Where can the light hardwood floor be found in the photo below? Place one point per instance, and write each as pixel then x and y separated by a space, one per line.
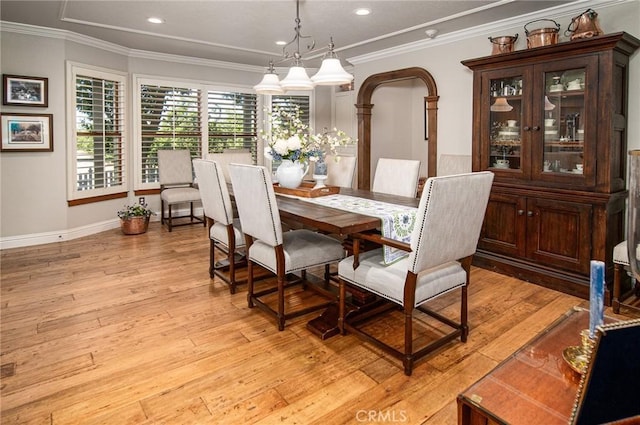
pixel 121 329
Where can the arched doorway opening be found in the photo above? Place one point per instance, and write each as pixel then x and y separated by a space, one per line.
pixel 364 112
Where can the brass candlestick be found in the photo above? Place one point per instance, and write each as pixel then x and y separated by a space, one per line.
pixel 578 356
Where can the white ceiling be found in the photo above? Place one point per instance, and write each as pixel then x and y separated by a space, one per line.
pixel 245 31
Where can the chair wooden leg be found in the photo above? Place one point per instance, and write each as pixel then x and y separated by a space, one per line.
pixel 212 260
pixel 464 315
pixel 617 283
pixel 408 306
pixel 231 257
pixel 341 306
pixel 169 219
pixel 161 211
pixel 250 284
pixel 281 315
pixel 407 361
pixel 464 325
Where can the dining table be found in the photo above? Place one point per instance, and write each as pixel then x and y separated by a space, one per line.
pixel 342 223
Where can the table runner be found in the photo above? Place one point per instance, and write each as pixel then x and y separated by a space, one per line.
pixel 397 220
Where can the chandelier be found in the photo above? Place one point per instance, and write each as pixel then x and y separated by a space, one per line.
pixel 331 72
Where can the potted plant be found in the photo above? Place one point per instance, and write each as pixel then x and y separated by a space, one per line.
pixel 134 219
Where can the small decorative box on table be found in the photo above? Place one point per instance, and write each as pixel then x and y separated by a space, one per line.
pixel 307 190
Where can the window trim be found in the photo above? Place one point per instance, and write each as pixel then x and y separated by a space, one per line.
pixel 74 196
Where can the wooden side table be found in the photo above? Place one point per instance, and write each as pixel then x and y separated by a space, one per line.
pixel 534 385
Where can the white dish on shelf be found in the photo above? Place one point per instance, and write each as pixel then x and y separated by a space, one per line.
pixel 576 171
pixel 496 165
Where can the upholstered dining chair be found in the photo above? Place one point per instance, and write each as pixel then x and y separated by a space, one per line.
pixel 340 170
pixel 225 232
pixel 443 242
pixel 229 156
pixel 267 245
pixel 396 177
pixel 621 266
pixel 176 186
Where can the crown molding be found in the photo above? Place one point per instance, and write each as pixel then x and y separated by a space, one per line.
pixel 212 63
pixel 567 10
pixel 17 28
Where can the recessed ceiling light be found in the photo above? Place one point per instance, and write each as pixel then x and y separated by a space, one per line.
pixel 362 11
pixel 281 43
pixel 154 20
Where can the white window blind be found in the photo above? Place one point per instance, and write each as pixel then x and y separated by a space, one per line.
pixel 290 102
pixel 170 119
pixel 232 121
pixel 99 145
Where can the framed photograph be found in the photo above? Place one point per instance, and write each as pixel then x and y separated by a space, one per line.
pixel 25 91
pixel 26 132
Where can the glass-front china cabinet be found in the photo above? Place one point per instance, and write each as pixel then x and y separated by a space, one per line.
pixel 550 122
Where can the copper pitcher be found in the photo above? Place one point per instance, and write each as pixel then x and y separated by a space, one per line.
pixel 584 26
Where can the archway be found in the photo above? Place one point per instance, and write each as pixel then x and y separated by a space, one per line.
pixel 364 109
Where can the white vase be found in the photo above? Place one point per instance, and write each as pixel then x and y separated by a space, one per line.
pixel 290 173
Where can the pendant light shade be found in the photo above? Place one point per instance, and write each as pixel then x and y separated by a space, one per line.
pixel 297 79
pixel 501 105
pixel 331 73
pixel 548 106
pixel 270 84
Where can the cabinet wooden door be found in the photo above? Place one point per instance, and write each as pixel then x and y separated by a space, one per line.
pixel 505 110
pixel 504 227
pixel 559 233
pixel 562 126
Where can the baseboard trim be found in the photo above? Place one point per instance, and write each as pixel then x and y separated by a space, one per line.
pixel 20 241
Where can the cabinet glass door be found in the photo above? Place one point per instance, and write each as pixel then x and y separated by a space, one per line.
pixel 505 115
pixel 564 121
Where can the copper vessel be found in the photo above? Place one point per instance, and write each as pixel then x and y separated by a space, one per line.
pixel 134 225
pixel 584 26
pixel 503 44
pixel 542 36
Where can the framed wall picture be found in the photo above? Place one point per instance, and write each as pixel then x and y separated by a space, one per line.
pixel 25 91
pixel 26 132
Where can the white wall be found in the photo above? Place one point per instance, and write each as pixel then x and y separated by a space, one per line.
pixel 33 185
pixel 397 131
pixel 441 57
pixel 33 199
pixel 33 207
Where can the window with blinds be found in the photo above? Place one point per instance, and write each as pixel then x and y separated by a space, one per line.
pixel 232 121
pixel 170 118
pixel 290 102
pixel 99 146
